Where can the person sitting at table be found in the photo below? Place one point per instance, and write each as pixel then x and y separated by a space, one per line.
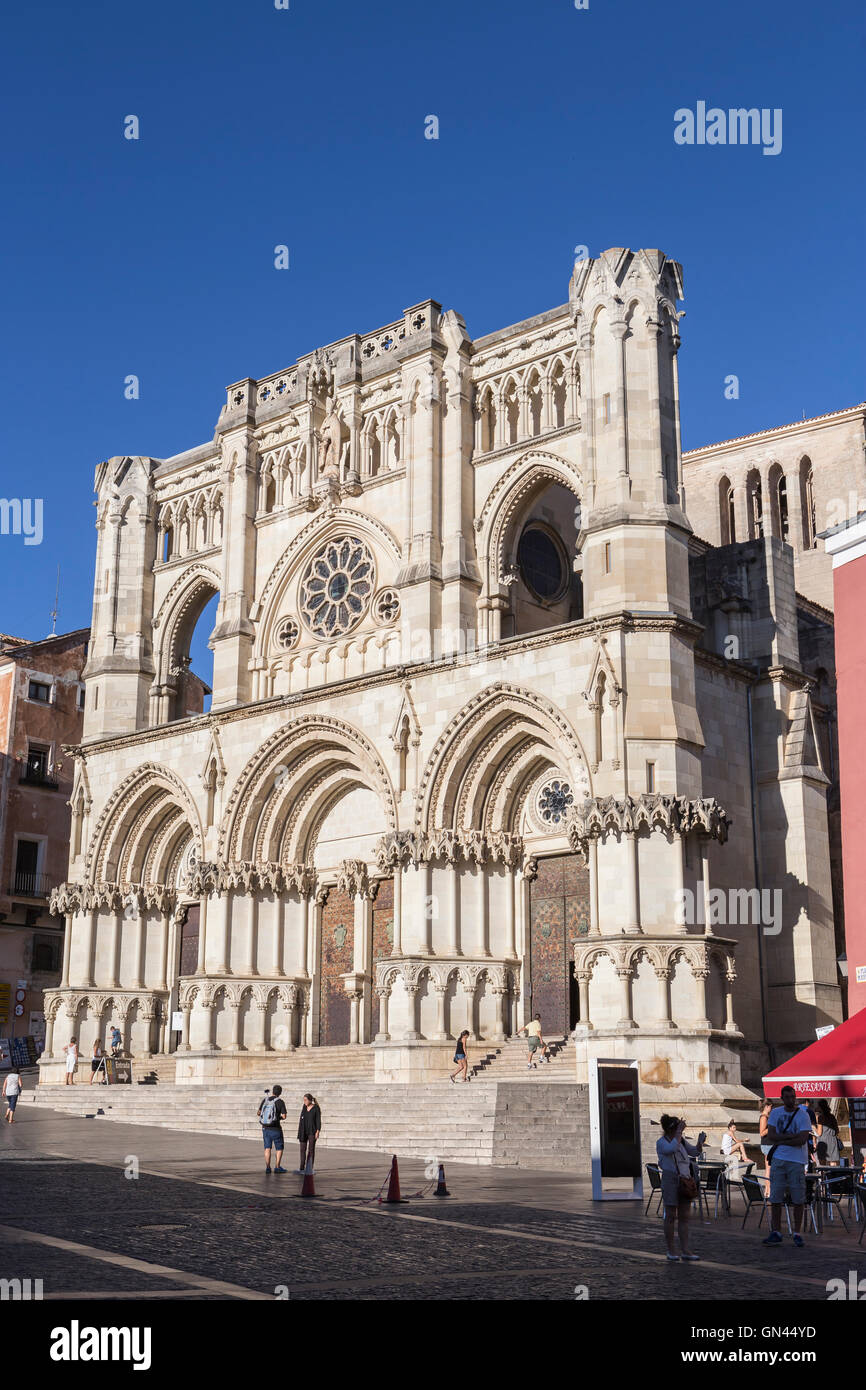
pixel 733 1148
pixel 826 1130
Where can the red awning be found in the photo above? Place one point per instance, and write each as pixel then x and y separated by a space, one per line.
pixel 835 1065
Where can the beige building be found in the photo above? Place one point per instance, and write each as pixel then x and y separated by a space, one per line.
pixel 493 730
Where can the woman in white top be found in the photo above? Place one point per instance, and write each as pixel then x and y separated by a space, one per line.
pixel 12 1088
pixel 71 1050
pixel 732 1145
pixel 675 1155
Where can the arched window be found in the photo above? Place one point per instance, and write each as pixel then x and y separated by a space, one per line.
pixel 269 493
pixel 755 504
pixel 535 404
pixel 167 544
pixel 558 393
pixel 782 506
pixel 727 528
pixel 807 493
pixel 488 422
pixel 512 412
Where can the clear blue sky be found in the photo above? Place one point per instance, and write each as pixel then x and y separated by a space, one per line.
pixel 306 127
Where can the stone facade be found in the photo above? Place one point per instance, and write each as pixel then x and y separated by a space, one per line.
pixel 469 746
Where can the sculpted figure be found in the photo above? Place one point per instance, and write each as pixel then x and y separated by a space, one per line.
pixel 330 438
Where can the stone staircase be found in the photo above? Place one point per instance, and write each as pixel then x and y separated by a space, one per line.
pixel 527 1123
pixel 507 1062
pixel 305 1066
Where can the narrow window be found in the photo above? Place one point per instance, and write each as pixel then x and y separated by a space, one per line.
pixel 732 525
pixel 650 777
pixel 605 409
pixel 607 557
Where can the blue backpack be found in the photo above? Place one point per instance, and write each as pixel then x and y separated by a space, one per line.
pixel 268 1112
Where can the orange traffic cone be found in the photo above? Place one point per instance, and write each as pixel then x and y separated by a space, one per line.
pixel 308 1188
pixel 394 1183
pixel 441 1189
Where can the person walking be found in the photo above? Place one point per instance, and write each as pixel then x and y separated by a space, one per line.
pixel 309 1126
pixel 789 1131
pixel 96 1057
pixel 71 1050
pixel 271 1113
pixel 827 1131
pixel 763 1122
pixel 534 1041
pixel 12 1088
pixel 461 1057
pixel 679 1184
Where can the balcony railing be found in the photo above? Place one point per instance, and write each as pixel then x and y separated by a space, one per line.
pixel 31 885
pixel 36 777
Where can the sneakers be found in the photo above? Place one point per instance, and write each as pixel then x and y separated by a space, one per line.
pixel 674 1259
pixel 774 1238
pixel 799 1241
pixel 279 1170
pixel 267 1170
pixel 690 1257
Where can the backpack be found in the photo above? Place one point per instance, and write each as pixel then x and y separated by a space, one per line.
pixel 268 1112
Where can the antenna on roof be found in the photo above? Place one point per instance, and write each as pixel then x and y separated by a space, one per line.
pixel 53 613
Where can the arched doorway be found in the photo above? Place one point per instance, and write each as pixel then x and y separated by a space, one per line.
pixel 558 916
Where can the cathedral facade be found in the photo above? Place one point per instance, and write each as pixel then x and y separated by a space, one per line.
pixel 493 732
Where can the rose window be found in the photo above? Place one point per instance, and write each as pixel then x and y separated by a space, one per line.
pixel 554 801
pixel 386 606
pixel 337 586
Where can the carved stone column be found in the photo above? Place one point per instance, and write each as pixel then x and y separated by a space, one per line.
pixel 730 1025
pixel 183 1045
pixel 90 950
pixel 624 975
pixel 412 1031
pixel 114 951
pixel 440 1035
pixel 663 975
pixel 49 1035
pixel 236 1026
pixel 632 911
pixel 208 1006
pixel 260 1014
pixel 500 994
pixel 583 978
pixel 384 996
pixel 701 977
pixel 355 997
pixel 67 949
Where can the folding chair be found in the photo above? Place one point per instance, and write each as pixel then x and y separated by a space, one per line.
pixel 835 1189
pixel 655 1181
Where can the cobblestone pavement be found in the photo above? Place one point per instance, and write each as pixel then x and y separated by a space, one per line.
pixel 206 1223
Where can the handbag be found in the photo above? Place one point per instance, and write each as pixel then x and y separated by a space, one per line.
pixel 688 1188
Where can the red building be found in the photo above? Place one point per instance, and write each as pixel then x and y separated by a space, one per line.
pixel 41 708
pixel 847 545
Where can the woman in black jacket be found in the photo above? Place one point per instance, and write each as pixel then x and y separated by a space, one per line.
pixel 308 1130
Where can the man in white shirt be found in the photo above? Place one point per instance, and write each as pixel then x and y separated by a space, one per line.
pixel 12 1087
pixel 788 1131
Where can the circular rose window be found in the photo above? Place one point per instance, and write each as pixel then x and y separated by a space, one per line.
pixel 337 586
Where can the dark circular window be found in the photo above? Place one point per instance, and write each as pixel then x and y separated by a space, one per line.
pixel 542 564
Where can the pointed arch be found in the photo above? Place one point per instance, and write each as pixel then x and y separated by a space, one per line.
pixel 291 783
pixel 491 752
pixel 150 802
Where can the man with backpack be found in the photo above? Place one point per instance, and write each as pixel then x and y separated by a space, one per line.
pixel 271 1112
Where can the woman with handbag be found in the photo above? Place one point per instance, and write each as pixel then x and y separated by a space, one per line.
pixel 679 1185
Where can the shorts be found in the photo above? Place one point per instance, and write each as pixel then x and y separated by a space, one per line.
pixel 272 1137
pixel 533 1042
pixel 12 1101
pixel 95 1063
pixel 784 1174
pixel 459 1056
pixel 765 1148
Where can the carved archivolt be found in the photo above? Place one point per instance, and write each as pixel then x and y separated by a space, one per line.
pixel 272 776
pixel 598 817
pixel 509 496
pixel 114 829
pixel 150 1004
pixel 464 745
